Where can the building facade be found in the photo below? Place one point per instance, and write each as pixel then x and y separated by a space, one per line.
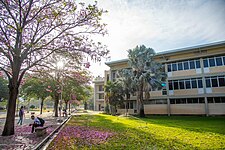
pixel 99 93
pixel 195 82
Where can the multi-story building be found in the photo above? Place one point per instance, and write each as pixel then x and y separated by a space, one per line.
pixel 99 93
pixel 195 84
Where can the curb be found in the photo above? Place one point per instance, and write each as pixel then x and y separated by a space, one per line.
pixel 49 137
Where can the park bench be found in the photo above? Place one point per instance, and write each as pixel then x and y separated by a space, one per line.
pixel 40 131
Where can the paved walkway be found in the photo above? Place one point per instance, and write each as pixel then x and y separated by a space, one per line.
pixel 23 138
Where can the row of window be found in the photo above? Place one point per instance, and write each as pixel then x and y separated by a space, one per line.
pixel 185 84
pixel 198 100
pixel 185 65
pixel 216 99
pixel 157 101
pixel 195 64
pixel 216 81
pixel 214 61
pixel 187 100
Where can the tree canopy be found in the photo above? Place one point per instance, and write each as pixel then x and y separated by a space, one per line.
pixel 33 30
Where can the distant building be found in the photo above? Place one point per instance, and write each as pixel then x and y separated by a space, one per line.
pixel 99 93
pixel 195 83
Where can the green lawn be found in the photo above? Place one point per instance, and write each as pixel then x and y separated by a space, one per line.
pixel 154 132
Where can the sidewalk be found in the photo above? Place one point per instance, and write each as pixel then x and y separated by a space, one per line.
pixel 23 138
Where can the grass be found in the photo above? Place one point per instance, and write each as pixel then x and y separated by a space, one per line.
pixel 155 132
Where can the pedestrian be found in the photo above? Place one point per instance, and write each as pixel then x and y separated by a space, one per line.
pixel 38 122
pixel 21 115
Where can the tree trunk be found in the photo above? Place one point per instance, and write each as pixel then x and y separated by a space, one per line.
pixel 141 102
pixel 42 103
pixel 10 118
pixel 56 104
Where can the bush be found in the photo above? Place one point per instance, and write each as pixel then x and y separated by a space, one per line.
pixel 32 106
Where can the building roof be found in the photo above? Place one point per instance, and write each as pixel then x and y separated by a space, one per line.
pixel 197 47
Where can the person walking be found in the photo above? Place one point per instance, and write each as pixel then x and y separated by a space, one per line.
pixel 21 115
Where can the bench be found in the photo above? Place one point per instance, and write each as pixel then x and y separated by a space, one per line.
pixel 40 131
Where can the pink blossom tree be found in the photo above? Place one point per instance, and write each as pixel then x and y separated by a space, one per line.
pixel 32 30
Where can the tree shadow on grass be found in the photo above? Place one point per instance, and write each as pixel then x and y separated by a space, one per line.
pixel 127 137
pixel 191 123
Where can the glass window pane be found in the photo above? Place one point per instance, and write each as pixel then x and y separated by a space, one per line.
pixel 194 83
pixel 200 83
pixel 189 100
pixel 186 66
pixel 170 85
pixel 169 67
pixel 174 66
pixel 192 64
pixel 219 61
pixel 222 99
pixel 217 99
pixel 172 101
pixel 188 84
pixel 183 101
pixel 223 60
pixel 197 64
pixel 180 66
pixel 212 62
pixel 205 62
pixel 178 101
pixel 175 83
pixel 207 82
pixel 181 84
pixel 201 100
pixel 195 100
pixel 214 82
pixel 210 100
pixel 221 81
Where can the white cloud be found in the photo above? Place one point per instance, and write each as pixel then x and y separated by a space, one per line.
pixel 160 24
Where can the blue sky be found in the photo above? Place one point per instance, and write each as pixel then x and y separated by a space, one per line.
pixel 159 24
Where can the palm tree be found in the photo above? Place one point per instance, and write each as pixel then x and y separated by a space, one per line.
pixel 125 77
pixel 148 74
pixel 114 95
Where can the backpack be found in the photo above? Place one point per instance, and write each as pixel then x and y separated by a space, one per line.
pixel 41 120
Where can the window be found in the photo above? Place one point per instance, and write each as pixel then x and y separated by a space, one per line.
pixel 170 85
pixel 174 67
pixel 192 64
pixel 223 60
pixel 201 100
pixel 214 82
pixel 206 63
pixel 175 84
pixel 197 64
pixel 210 100
pixel 172 101
pixel 221 81
pixel 219 61
pixel 187 84
pixel 207 82
pixel 194 83
pixel 164 92
pixel 180 66
pixel 181 84
pixel 169 67
pixel 101 88
pixel 200 83
pixel 101 96
pixel 217 99
pixel 212 62
pixel 186 66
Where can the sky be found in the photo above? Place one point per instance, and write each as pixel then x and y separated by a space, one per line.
pixel 160 24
